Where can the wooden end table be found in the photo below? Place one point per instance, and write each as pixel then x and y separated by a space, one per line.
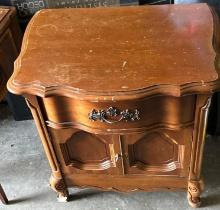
pixel 120 96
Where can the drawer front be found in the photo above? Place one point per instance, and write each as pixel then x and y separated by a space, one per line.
pixel 163 111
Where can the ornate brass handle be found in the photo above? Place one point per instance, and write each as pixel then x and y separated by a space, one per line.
pixel 107 115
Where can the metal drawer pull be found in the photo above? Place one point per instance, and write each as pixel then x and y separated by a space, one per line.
pixel 111 112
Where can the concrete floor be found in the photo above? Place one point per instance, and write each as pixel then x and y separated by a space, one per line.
pixel 24 174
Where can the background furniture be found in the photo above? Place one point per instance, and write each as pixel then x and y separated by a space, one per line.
pixel 10 39
pixel 3 197
pixel 27 8
pixel 113 107
pixel 10 43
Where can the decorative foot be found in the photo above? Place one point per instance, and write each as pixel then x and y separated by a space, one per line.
pixel 59 186
pixel 61 198
pixel 195 189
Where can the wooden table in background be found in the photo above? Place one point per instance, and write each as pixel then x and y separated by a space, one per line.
pixel 10 41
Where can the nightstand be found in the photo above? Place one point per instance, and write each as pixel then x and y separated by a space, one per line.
pixel 120 98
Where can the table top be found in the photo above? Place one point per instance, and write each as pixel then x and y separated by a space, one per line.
pixel 115 51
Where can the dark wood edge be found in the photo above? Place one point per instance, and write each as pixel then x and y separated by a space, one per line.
pixel 42 90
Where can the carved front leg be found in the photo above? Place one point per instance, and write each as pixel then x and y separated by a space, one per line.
pixel 195 184
pixel 58 185
pixel 195 189
pixel 56 180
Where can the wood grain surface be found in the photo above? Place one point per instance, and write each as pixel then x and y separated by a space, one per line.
pixel 113 51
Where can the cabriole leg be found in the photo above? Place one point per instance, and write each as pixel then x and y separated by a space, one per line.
pixel 59 186
pixel 195 189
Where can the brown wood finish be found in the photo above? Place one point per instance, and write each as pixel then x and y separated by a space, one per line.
pixel 130 40
pixel 10 41
pixel 158 77
pixel 169 156
pixel 103 158
pixel 171 112
pixel 196 184
pixel 56 180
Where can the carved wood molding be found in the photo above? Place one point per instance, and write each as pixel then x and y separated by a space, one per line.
pixel 106 164
pixel 56 180
pixel 151 127
pixel 172 164
pixel 60 187
pixel 39 89
pixel 44 135
pixel 202 108
pixel 123 189
pixel 195 188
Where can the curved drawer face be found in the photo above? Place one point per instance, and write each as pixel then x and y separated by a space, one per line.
pixel 163 111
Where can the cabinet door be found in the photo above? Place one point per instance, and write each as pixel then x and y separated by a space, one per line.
pixel 160 152
pixel 82 152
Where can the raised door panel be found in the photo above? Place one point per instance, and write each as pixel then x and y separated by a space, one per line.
pixel 159 152
pixel 82 152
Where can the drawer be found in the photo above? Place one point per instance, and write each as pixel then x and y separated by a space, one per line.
pixel 162 111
